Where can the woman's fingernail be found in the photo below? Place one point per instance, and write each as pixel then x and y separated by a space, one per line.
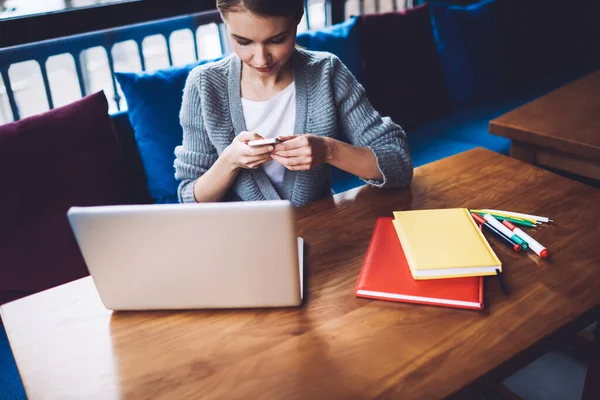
pixel 271 148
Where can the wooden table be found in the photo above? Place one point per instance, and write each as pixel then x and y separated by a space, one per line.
pixel 336 346
pixel 560 130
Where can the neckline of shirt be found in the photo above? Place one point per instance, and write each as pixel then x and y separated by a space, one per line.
pixel 286 90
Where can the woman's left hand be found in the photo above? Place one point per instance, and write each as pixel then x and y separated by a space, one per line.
pixel 302 152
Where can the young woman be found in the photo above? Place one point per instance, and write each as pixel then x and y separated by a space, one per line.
pixel 269 88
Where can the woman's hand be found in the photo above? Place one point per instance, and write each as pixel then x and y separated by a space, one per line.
pixel 239 155
pixel 302 152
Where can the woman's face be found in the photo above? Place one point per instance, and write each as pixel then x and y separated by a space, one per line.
pixel 264 44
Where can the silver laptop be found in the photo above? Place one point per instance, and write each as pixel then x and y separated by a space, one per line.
pixel 188 256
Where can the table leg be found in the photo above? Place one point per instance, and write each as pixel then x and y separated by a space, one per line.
pixel 591 388
pixel 522 151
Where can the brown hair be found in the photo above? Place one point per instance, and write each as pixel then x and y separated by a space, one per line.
pixel 265 8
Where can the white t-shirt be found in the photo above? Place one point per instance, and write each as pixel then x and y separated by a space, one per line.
pixel 271 118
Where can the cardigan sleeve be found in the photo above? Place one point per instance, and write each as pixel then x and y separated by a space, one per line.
pixel 364 127
pixel 196 154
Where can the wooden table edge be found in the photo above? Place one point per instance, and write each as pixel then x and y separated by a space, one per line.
pixel 543 141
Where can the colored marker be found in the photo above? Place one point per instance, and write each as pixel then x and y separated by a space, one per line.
pixel 533 244
pixel 496 224
pixel 521 222
pixel 489 228
pixel 514 220
pixel 520 215
pixel 504 216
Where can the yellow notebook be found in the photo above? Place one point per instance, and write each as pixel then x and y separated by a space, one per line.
pixel 444 243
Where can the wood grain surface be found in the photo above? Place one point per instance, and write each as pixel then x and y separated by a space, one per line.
pixel 336 346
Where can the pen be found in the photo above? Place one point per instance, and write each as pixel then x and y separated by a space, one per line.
pixel 525 221
pixel 499 275
pixel 520 215
pixel 488 227
pixel 533 244
pixel 513 236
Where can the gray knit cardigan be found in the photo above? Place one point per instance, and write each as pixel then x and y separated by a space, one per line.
pixel 329 102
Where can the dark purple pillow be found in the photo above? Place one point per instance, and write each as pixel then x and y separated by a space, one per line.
pixel 403 75
pixel 66 157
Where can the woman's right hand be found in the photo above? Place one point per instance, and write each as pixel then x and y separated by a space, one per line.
pixel 240 155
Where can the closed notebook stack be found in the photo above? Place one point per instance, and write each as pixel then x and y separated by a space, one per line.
pixel 386 275
pixel 444 243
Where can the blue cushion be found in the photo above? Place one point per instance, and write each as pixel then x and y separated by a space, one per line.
pixel 468 45
pixel 463 130
pixel 11 387
pixel 438 149
pixel 341 39
pixel 342 180
pixel 154 101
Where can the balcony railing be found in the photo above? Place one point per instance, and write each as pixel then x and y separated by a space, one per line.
pixel 46 74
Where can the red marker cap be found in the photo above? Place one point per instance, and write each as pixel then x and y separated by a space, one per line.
pixel 544 253
pixel 509 225
pixel 478 218
pixel 517 247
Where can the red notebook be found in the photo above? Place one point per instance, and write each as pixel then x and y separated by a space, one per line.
pixel 385 275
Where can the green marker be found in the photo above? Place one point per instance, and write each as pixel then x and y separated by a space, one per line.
pixel 520 241
pixel 514 221
pixel 519 222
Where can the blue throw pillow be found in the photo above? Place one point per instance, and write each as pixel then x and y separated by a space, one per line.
pixel 341 39
pixel 153 102
pixel 468 43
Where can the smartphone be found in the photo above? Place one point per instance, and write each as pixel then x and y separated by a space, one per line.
pixel 263 142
